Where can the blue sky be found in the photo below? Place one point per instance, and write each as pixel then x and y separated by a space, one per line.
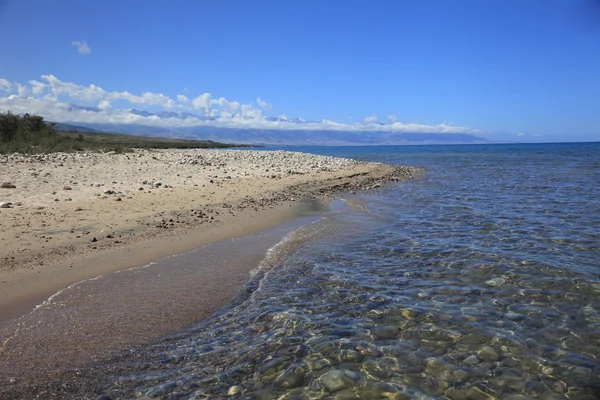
pixel 513 70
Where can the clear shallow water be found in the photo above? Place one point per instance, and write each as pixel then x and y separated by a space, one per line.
pixel 480 281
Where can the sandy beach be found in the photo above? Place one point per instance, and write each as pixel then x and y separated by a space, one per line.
pixel 74 217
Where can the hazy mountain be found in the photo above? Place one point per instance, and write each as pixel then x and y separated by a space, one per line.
pixel 294 136
pixel 75 128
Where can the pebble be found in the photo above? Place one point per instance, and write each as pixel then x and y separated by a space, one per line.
pixel 333 380
pixel 338 379
pixel 67 188
pixel 474 393
pixel 385 332
pixel 471 360
pixel 487 353
pixel 496 282
pixel 7 185
pixel 234 390
pixel 5 204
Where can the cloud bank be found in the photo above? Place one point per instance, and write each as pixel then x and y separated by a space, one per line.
pixel 68 102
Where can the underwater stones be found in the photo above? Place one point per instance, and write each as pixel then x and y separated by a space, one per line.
pixel 273 366
pixel 297 350
pixel 379 390
pixel 513 316
pixel 434 386
pixel 349 356
pixel 321 363
pixel 235 390
pixel 293 377
pixel 369 351
pixel 438 368
pixel 488 353
pixel 534 388
pixel 459 375
pixel 338 379
pixel 325 347
pixel 346 394
pixel 494 282
pixel 385 332
pixel 474 393
pixel 456 394
pixel 375 370
pixel 410 313
pixel 516 396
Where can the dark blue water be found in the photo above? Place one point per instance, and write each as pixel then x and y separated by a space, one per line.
pixel 479 281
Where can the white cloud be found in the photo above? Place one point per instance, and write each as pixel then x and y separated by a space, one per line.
pixel 226 105
pixel 202 103
pixel 54 100
pixel 23 90
pixel 82 47
pixel 5 85
pixel 520 134
pixel 371 118
pixel 147 98
pixel 263 104
pixel 391 118
pixel 87 93
pixel 250 112
pixel 37 87
pixel 104 105
pixel 536 134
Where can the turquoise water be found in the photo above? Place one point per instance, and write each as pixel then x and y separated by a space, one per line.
pixel 479 281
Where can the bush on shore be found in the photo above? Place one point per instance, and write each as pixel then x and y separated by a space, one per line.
pixel 30 134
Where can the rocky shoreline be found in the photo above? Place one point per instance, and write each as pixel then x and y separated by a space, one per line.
pixel 35 190
pixel 143 199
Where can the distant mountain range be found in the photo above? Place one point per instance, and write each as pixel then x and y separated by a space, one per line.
pixel 288 136
pixel 75 128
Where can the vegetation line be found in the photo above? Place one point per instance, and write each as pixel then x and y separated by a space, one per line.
pixel 29 134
